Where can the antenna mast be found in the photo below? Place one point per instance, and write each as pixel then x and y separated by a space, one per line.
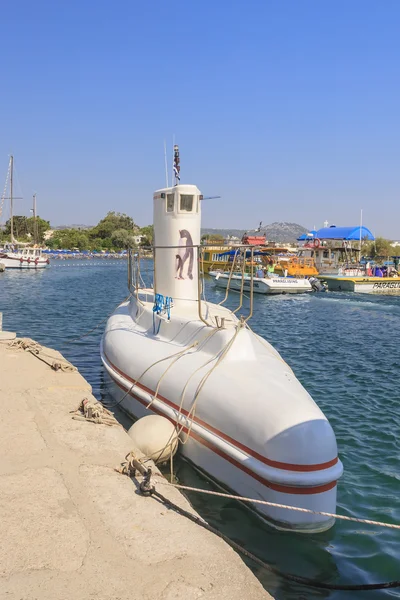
pixel 166 163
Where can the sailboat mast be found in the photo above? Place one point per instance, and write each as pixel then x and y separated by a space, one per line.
pixel 11 197
pixel 35 233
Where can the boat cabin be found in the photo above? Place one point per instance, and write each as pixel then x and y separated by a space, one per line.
pixel 23 251
pixel 254 240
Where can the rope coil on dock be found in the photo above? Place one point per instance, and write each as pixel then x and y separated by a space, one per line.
pixel 94 412
pixel 34 348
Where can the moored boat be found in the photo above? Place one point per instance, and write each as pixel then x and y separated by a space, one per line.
pixel 261 285
pixel 242 415
pixel 16 255
pixel 363 285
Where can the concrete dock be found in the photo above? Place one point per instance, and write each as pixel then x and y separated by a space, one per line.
pixel 71 526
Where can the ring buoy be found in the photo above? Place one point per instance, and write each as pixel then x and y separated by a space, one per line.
pixel 36 261
pixel 48 262
pixel 28 260
pixel 317 243
pixel 21 260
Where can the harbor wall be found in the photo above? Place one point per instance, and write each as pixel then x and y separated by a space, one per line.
pixel 72 526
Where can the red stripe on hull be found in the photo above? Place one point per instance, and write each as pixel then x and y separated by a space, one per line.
pixel 253 453
pixel 285 489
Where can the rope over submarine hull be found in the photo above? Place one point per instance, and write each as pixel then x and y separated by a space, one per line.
pixel 263 437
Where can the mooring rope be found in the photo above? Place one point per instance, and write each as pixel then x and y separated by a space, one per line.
pixel 276 505
pixel 147 488
pixel 306 581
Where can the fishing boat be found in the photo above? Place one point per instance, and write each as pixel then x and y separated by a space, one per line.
pixel 243 417
pixel 261 285
pixel 17 255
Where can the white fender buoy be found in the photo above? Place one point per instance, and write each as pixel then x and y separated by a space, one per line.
pixel 155 436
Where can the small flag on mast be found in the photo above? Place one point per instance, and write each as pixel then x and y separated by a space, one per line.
pixel 177 168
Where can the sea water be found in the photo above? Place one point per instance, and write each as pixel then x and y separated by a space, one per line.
pixel 342 347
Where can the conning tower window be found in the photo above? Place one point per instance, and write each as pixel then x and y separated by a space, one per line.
pixel 186 204
pixel 170 202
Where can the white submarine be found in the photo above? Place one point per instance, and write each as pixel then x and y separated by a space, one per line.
pixel 169 352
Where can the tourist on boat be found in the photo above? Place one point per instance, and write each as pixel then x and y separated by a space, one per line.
pixel 378 272
pixel 260 273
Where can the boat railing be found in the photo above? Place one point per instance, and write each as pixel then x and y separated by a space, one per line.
pixel 238 266
pixel 136 285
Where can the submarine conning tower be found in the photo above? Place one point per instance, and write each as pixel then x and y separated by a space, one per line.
pixel 177 218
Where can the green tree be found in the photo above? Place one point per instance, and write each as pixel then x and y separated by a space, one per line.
pixel 212 238
pixel 53 243
pixel 96 244
pixel 82 241
pixel 41 227
pixel 148 233
pixel 113 222
pixel 20 226
pixel 69 238
pixel 381 247
pixel 106 243
pixel 123 239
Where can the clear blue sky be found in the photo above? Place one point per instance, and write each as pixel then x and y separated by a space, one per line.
pixel 288 109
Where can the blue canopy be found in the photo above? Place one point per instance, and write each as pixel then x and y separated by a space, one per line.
pixel 344 233
pixel 307 236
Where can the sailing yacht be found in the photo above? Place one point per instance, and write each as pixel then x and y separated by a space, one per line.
pixel 17 255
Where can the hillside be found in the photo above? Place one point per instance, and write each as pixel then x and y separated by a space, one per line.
pixel 275 232
pixel 74 226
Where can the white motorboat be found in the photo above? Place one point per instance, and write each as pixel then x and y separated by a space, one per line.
pixel 261 285
pixel 242 415
pixel 17 255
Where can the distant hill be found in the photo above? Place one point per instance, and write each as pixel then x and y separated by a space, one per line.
pixel 284 232
pixel 275 232
pixel 72 226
